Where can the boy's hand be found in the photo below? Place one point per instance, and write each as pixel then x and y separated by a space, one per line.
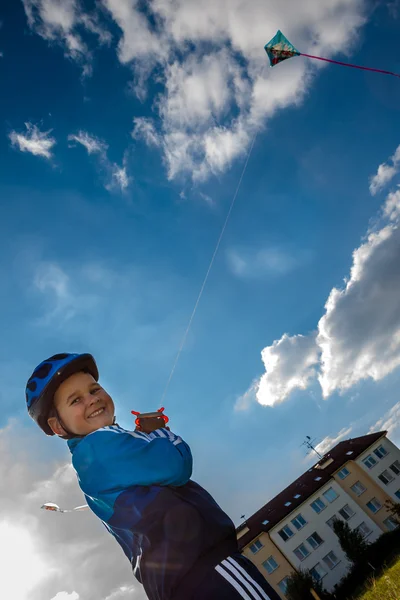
pixel 149 424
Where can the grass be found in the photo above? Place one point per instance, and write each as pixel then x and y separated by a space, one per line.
pixel 384 587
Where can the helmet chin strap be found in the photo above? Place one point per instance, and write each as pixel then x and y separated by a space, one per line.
pixel 71 435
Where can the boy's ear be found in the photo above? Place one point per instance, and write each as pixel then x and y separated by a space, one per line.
pixel 55 426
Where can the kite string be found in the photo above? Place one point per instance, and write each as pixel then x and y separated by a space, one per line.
pixel 345 64
pixel 209 267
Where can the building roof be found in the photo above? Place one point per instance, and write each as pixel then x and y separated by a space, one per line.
pixel 305 486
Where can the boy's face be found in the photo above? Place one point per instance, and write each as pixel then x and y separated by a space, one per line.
pixel 78 401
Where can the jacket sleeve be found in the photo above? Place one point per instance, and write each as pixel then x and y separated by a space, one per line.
pixel 117 460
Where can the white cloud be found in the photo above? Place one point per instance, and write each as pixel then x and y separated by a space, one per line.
pixel 290 364
pixel 116 177
pixel 64 21
pixel 92 143
pixel 391 208
pixel 34 141
pixel 144 128
pixel 358 337
pixel 331 441
pixel 385 173
pixel 210 58
pixel 67 552
pixel 120 177
pixel 390 422
pixel 257 263
pixel 245 401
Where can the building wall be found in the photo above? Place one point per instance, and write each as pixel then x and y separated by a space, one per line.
pixel 318 523
pixel 269 549
pixel 382 465
pixel 373 490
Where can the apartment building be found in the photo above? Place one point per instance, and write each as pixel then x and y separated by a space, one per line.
pixel 294 530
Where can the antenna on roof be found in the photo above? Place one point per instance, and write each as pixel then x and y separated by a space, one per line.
pixel 308 442
pixel 243 517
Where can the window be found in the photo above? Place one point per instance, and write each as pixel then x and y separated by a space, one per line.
pixel 318 505
pixel 282 585
pixel 256 546
pixel 299 522
pixel 343 473
pixel 350 452
pixel 318 478
pixel 364 530
pixel 395 467
pixel 358 488
pixel 297 496
pixel 301 552
pixel 315 540
pixel 380 451
pixel 318 572
pixel 270 565
pixel 330 495
pixel 397 494
pixel 374 505
pixel 265 522
pixel 370 461
pixel 288 503
pixel 331 521
pixel 331 560
pixel 390 523
pixel 286 533
pixel 386 477
pixel 346 512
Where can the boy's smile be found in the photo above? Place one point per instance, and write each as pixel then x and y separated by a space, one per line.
pixel 82 404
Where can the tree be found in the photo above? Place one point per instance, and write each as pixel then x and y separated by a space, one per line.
pixel 351 541
pixel 299 585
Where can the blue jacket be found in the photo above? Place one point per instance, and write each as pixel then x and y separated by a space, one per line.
pixel 139 485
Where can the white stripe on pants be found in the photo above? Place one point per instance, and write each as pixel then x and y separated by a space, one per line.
pixel 244 584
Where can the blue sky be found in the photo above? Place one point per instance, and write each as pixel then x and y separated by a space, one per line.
pixel 113 197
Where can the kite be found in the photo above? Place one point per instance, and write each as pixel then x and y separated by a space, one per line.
pixel 279 49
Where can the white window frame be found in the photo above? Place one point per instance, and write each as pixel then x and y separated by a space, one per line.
pixel 328 561
pixel 332 519
pixel 392 521
pixel 350 509
pixel 388 478
pixel 318 544
pixel 377 451
pixel 358 483
pixel 374 502
pixel 272 568
pixel 315 502
pixel 301 525
pixel 254 545
pixel 364 533
pixel 302 555
pixel 366 460
pixel 282 585
pixel 322 569
pixel 283 531
pixel 342 475
pixel 396 464
pixel 328 490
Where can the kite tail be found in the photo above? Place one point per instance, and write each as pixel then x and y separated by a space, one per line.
pixel 344 64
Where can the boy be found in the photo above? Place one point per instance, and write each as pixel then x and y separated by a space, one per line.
pixel 180 543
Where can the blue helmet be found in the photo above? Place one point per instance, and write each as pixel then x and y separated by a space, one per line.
pixel 46 378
